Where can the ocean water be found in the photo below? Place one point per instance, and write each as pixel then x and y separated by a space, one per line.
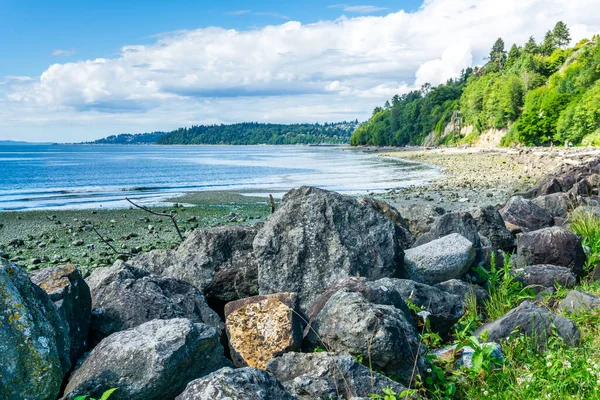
pixel 78 176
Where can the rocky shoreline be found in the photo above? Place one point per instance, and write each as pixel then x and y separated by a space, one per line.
pixel 327 299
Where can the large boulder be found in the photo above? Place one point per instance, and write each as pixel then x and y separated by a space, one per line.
pixel 460 222
pixel 449 257
pixel 373 291
pixel 328 376
pixel 524 215
pixel 124 297
pixel 263 327
pixel 384 335
pixel 420 217
pixel 463 289
pixel 491 225
pixel 218 261
pixel 541 277
pixel 404 235
pixel 554 246
pixel 531 320
pixel 231 384
pixel 557 204
pixel 155 360
pixel 444 308
pixel 317 237
pixel 34 339
pixel 577 301
pixel 71 296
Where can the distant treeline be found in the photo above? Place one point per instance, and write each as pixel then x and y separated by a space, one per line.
pixel 244 133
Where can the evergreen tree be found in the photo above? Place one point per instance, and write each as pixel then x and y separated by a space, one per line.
pixel 513 54
pixel 561 34
pixel 531 46
pixel 549 44
pixel 497 55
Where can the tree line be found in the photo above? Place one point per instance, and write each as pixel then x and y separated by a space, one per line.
pixel 541 93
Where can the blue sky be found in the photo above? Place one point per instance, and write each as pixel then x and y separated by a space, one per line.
pixel 80 70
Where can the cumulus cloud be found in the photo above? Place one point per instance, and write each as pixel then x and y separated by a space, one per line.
pixel 365 9
pixel 325 71
pixel 61 52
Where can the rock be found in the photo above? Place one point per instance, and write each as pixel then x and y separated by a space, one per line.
pixel 525 215
pixel 554 246
pixel 263 327
pixel 557 204
pixel 445 308
pixel 581 188
pixel 71 296
pixel 577 301
pixel 406 237
pixel 78 242
pixel 155 360
pixel 531 320
pixel 328 376
pixel 490 224
pixel 232 384
pixel 420 217
pixel 385 335
pixel 34 339
pixel 316 238
pixel 550 185
pixel 460 222
pixel 463 289
pixel 218 261
pixel 124 297
pixel 449 257
pixel 541 277
pixel 373 291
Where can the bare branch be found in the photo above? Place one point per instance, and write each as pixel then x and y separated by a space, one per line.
pixel 110 245
pixel 160 215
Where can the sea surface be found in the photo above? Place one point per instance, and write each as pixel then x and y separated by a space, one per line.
pixel 83 176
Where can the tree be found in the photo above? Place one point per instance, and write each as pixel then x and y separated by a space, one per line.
pixel 549 44
pixel 513 54
pixel 425 88
pixel 561 34
pixel 531 46
pixel 498 55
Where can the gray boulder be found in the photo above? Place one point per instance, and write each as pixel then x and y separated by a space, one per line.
pixel 554 246
pixel 444 308
pixel 541 277
pixel 577 301
pixel 557 204
pixel 317 237
pixel 420 217
pixel 218 261
pixel 71 296
pixel 328 376
pixel 385 335
pixel 525 215
pixel 155 360
pixel 491 225
pixel 531 320
pixel 460 222
pixel 464 357
pixel 124 297
pixel 233 384
pixel 34 339
pixel 404 235
pixel 449 257
pixel 463 289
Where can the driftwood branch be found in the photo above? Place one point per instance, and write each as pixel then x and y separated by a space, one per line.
pixel 159 215
pixel 272 201
pixel 106 242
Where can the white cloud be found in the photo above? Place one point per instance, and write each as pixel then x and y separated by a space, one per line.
pixel 326 71
pixel 61 52
pixel 238 12
pixel 364 9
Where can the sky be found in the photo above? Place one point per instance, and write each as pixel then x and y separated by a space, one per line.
pixel 75 70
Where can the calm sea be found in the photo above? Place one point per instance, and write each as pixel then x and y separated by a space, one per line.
pixel 72 176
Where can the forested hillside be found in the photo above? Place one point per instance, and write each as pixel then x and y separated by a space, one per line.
pixel 257 133
pixel 128 138
pixel 540 92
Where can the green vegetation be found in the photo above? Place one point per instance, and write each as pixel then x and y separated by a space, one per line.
pixel 255 133
pixel 128 138
pixel 105 395
pixel 541 93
